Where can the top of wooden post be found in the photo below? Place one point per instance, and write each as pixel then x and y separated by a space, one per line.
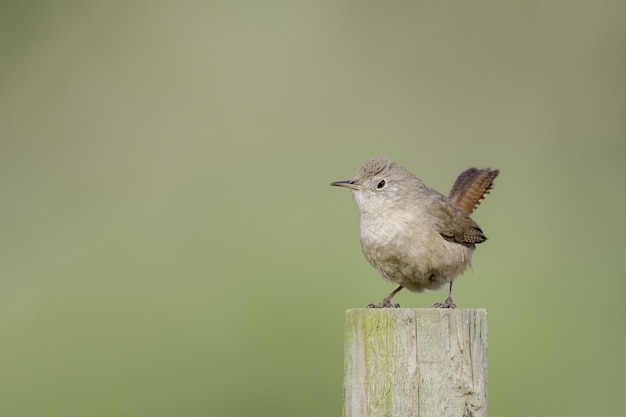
pixel 415 362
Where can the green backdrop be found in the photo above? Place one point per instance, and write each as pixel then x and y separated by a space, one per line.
pixel 169 244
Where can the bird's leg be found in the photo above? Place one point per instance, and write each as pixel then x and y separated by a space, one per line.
pixel 386 303
pixel 448 303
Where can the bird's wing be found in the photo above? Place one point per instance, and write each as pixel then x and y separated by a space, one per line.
pixel 453 224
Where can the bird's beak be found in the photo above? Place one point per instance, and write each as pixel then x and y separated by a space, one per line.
pixel 348 184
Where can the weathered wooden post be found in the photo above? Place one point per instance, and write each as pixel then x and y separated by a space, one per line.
pixel 428 362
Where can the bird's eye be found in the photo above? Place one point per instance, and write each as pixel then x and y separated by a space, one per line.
pixel 381 184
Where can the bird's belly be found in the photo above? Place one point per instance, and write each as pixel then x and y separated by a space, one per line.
pixel 417 261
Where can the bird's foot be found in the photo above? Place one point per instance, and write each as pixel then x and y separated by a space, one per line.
pixel 446 304
pixel 384 304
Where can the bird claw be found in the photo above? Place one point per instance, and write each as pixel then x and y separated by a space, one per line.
pixel 446 304
pixel 384 304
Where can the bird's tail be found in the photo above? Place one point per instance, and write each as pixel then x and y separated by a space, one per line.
pixel 471 187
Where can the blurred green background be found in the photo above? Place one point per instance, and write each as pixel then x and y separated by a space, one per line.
pixel 169 245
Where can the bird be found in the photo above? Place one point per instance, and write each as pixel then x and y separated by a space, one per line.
pixel 413 235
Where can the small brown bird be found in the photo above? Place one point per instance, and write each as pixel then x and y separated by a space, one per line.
pixel 413 235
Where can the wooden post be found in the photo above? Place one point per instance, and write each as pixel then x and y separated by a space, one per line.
pixel 427 362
